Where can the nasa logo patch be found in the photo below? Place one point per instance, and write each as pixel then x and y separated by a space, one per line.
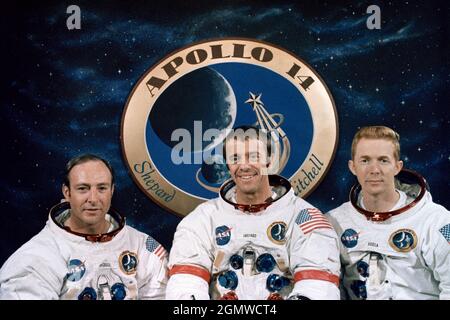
pixel 128 262
pixel 223 235
pixel 350 238
pixel 403 240
pixel 277 232
pixel 76 270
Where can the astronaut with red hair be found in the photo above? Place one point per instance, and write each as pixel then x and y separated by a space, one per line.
pixel 395 241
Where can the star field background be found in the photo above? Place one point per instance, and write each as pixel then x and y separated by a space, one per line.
pixel 63 92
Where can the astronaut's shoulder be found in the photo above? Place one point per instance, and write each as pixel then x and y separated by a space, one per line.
pixel 142 242
pixel 301 204
pixel 437 209
pixel 133 232
pixel 434 225
pixel 340 210
pixel 206 208
pixel 202 213
pixel 435 214
pixel 44 241
pixel 139 239
pixel 40 249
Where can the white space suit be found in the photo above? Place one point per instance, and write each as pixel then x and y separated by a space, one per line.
pixel 287 249
pixel 406 256
pixel 58 264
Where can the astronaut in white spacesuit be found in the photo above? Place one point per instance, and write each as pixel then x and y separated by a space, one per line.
pixel 395 242
pixel 86 251
pixel 257 240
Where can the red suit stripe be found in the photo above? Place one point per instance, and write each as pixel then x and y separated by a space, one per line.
pixel 316 275
pixel 189 269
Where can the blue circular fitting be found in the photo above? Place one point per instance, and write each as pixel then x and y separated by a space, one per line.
pixel 228 280
pixel 363 268
pixel 118 291
pixel 236 261
pixel 275 282
pixel 88 294
pixel 265 263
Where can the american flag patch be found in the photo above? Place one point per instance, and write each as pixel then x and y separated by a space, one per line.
pixel 153 246
pixel 445 230
pixel 311 219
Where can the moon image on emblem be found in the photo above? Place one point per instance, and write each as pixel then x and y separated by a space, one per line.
pixel 201 95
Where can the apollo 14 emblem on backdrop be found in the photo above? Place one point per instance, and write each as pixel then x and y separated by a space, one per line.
pixel 178 114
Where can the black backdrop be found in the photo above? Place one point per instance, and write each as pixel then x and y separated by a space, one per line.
pixel 63 92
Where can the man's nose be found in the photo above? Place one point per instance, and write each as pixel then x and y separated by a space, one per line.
pixel 244 164
pixel 93 195
pixel 374 168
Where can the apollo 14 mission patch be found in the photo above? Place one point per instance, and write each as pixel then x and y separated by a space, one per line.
pixel 128 262
pixel 180 111
pixel 277 232
pixel 403 240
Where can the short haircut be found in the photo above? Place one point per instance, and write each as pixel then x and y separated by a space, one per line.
pixel 246 132
pixel 83 159
pixel 377 132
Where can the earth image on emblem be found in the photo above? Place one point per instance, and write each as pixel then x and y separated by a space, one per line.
pixel 214 170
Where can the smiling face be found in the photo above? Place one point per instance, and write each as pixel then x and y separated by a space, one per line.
pixel 89 195
pixel 375 166
pixel 248 161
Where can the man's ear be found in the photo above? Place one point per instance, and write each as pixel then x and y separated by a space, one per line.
pixel 269 165
pixel 399 166
pixel 351 166
pixel 66 192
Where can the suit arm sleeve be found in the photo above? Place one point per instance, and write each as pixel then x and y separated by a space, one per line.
pixel 24 277
pixel 154 264
pixel 436 251
pixel 315 262
pixel 190 261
